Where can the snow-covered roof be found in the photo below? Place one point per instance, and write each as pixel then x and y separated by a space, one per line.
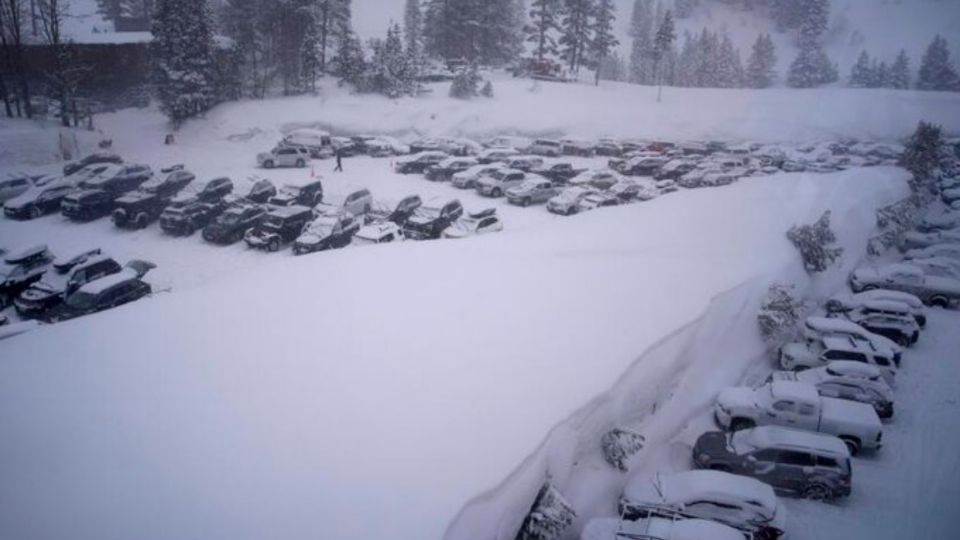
pixel 99 285
pixel 893 306
pixel 689 486
pixel 657 528
pixel 775 436
pixel 288 211
pixel 833 325
pixel 795 391
pixel 853 370
pixel 886 294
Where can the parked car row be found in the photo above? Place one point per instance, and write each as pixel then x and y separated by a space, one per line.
pixel 796 432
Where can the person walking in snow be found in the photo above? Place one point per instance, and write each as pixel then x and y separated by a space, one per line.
pixel 339 155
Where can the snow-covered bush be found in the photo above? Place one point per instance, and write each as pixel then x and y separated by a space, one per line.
pixel 816 244
pixel 549 516
pixel 466 84
pixel 893 221
pixel 487 90
pixel 779 314
pixel 922 157
pixel 619 445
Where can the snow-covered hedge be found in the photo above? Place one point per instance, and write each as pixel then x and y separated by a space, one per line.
pixel 779 314
pixel 893 221
pixel 816 243
pixel 619 445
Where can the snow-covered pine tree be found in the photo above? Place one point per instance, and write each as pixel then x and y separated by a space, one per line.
pixel 662 44
pixel 543 26
pixel 641 45
pixel 814 18
pixel 922 155
pixel 333 25
pixel 242 20
pixel 708 54
pixel 413 26
pixel 549 516
pixel 787 14
pixel 861 73
pixel 575 33
pixel 729 67
pixel 501 39
pixel 936 69
pixel 612 68
pixel 880 74
pixel 466 84
pixel 811 68
pixel 349 63
pixel 760 66
pixel 900 72
pixel 684 8
pixel 182 57
pixel 603 41
pixel 310 58
pixel 687 62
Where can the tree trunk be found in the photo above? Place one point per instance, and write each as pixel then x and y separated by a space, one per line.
pixel 6 97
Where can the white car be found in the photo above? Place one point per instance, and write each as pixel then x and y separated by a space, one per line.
pixel 13 185
pixel 738 501
pixel 378 233
pixel 845 303
pixel 597 199
pixel 475 224
pixel 598 178
pixel 842 379
pixel 358 203
pixel 284 156
pixel 317 142
pixel 819 327
pixel 814 353
pixel 658 528
pixel 568 201
pixel 491 155
pixel 951 251
pixel 498 182
pixel 468 179
pixel 933 290
pixel 799 406
pixel 524 163
pixel 938 266
pixel 520 144
pixel 546 147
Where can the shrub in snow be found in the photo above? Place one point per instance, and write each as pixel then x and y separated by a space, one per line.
pixel 466 84
pixel 487 90
pixel 549 516
pixel 816 244
pixel 922 155
pixel 893 221
pixel 619 445
pixel 779 314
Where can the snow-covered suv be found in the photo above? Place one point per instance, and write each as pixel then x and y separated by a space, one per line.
pixel 843 379
pixel 798 405
pixel 284 156
pixel 498 182
pixel 567 202
pixel 933 290
pixel 819 352
pixel 534 190
pixel 820 327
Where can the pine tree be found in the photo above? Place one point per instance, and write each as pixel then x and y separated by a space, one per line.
pixel 333 19
pixel 880 74
pixel 349 62
pixel 542 28
pixel 413 26
pixel 922 155
pixel 662 44
pixel 466 84
pixel 936 69
pixel 489 32
pixel 729 67
pixel 688 62
pixel 900 72
pixel 603 41
pixel 811 68
pixel 575 37
pixel 684 8
pixel 761 64
pixel 243 21
pixel 641 47
pixel 861 73
pixel 182 56
pixel 814 18
pixel 310 59
pixel 707 58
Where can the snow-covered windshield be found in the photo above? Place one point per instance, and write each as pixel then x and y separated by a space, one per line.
pixel 322 226
pixel 82 300
pixel 740 442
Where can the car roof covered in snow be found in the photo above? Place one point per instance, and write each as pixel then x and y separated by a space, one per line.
pixel 853 370
pixel 289 211
pixel 780 437
pixel 689 486
pixel 886 294
pixel 894 306
pixel 98 286
pixel 795 391
pixel 17 258
pixel 840 343
pixel 828 324
pixel 658 528
pixel 377 230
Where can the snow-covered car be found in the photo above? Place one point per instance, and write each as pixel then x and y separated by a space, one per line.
pixel 508 141
pixel 694 178
pixel 495 155
pixel 720 178
pixel 184 216
pixel 639 189
pixel 546 147
pixel 643 166
pixel 378 233
pixel 532 191
pixel 524 163
pixel 597 199
pixel 947 221
pixel 284 156
pixel 443 171
pixel 261 191
pixel 97 158
pixel 578 147
pixel 468 179
pixel 951 251
pixel 674 169
pixel 329 231
pixel 800 406
pixel 598 178
pixel 920 240
pixel 316 142
pixel 39 200
pixel 214 190
pixel 801 463
pixel 358 203
pixel 105 293
pixel 20 270
pixel 281 225
pixel 419 162
pixel 475 224
pixel 54 287
pixel 820 327
pixel 231 226
pixel 559 173
pixel 398 214
pixel 843 379
pixel 813 353
pixel 498 182
pixel 608 148
pixel 944 267
pixel 139 208
pixel 933 290
pixel 567 202
pixel 738 501
pixel 845 303
pixel 658 528
pixel 309 194
pixel 429 222
pixel 14 185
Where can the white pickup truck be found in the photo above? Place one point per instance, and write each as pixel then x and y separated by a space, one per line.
pixel 800 406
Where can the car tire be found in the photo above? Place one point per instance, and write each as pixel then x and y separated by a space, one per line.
pixel 903 341
pixel 35 212
pixel 496 192
pixel 816 492
pixel 188 230
pixel 268 164
pixel 721 468
pixel 301 164
pixel 869 288
pixel 852 444
pixel 740 424
pixel 141 221
pixel 525 202
pixel 273 246
pixel 940 301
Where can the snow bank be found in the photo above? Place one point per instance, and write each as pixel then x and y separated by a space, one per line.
pixel 278 402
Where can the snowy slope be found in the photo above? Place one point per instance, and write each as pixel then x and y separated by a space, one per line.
pixel 278 402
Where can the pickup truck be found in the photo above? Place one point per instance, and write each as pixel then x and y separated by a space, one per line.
pixel 533 190
pixel 800 406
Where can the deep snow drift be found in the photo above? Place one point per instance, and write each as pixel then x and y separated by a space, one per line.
pixel 373 391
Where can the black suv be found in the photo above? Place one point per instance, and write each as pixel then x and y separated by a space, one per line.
pixel 50 291
pixel 558 173
pixel 262 191
pixel 87 205
pixel 184 216
pixel 280 226
pixel 21 270
pixel 139 209
pixel 105 293
pixel 119 179
pixel 307 195
pixel 216 189
pixel 38 202
pixel 429 223
pixel 327 232
pixel 232 225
